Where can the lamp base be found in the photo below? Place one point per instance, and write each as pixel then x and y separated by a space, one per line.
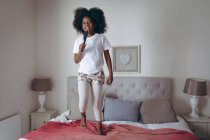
pixel 193 115
pixel 194 105
pixel 41 110
pixel 41 98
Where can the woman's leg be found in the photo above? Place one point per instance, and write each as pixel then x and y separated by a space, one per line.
pixel 97 100
pixel 83 120
pixel 99 128
pixel 83 89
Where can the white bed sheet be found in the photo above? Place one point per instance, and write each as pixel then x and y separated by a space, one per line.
pixel 180 125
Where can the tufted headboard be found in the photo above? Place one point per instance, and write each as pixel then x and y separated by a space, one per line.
pixel 128 88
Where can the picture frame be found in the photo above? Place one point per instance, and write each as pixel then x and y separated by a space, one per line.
pixel 126 59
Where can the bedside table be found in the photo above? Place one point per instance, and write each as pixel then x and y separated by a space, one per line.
pixel 40 118
pixel 199 126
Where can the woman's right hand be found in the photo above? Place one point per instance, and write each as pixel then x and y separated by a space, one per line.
pixel 78 56
pixel 82 47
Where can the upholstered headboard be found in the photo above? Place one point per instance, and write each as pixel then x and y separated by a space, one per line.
pixel 128 88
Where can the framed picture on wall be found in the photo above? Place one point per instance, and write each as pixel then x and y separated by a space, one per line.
pixel 126 59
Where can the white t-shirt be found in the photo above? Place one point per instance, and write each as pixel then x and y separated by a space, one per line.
pixel 92 57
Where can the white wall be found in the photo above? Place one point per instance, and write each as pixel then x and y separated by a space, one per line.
pixel 17 59
pixel 174 36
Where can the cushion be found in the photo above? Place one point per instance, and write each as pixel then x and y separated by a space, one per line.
pixel 157 110
pixel 121 110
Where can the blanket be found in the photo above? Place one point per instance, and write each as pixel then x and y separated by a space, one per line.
pixel 73 131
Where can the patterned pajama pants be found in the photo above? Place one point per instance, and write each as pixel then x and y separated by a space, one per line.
pixel 91 84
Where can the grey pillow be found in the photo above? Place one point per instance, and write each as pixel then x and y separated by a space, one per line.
pixel 121 110
pixel 157 110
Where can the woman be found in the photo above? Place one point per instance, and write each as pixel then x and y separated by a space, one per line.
pixel 89 48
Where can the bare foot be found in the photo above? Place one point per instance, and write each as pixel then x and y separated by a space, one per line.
pixel 100 132
pixel 83 120
pixel 99 128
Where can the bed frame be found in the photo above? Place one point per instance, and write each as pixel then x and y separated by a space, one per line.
pixel 126 88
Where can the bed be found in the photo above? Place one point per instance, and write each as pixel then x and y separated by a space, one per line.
pixel 133 108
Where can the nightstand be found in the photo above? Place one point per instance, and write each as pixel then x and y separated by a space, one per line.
pixel 40 118
pixel 199 126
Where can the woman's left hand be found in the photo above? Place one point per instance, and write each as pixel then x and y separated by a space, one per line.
pixel 109 80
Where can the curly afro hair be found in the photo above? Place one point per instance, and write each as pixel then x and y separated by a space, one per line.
pixel 95 14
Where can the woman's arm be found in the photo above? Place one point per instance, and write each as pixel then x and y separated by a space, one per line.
pixel 78 56
pixel 109 65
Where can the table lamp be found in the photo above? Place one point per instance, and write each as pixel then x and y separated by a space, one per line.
pixel 41 86
pixel 195 87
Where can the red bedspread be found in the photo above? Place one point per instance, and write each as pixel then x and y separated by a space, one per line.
pixel 73 131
